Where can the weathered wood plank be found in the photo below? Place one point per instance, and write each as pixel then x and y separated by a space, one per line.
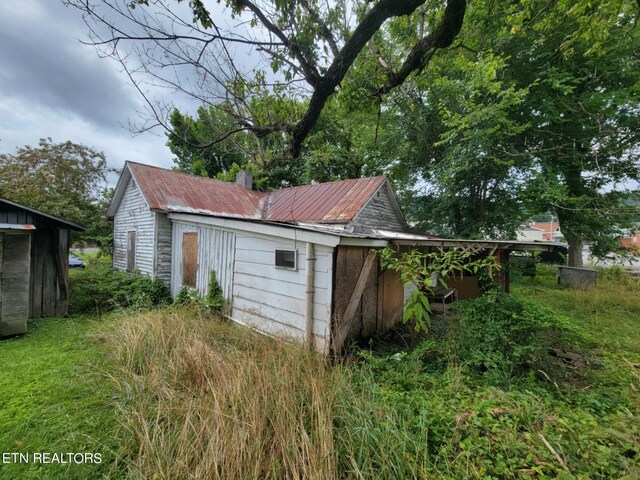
pixel 16 259
pixel 189 259
pixel 381 211
pixel 392 300
pixel 354 302
pixel 134 215
pixel 62 300
pixel 1 270
pixel 37 264
pixel 49 279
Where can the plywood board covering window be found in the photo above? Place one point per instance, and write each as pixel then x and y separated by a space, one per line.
pixel 189 258
pixel 131 251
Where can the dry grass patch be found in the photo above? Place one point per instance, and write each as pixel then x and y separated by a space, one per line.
pixel 207 399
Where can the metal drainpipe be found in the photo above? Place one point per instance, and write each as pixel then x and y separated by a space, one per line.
pixel 309 297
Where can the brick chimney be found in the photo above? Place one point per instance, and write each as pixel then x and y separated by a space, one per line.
pixel 245 179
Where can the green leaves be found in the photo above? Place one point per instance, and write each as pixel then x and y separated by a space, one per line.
pixel 65 179
pixel 417 311
pixel 421 269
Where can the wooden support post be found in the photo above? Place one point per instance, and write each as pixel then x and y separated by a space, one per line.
pixel 60 265
pixel 342 328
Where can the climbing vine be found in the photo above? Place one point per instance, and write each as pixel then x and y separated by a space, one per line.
pixel 423 269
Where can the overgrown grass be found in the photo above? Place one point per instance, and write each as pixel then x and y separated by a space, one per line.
pixel 199 398
pixel 210 400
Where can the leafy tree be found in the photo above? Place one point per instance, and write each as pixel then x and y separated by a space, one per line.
pixel 547 100
pixel 582 109
pixel 66 179
pixel 194 142
pixel 339 146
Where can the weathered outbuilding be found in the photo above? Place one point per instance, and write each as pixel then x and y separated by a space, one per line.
pixel 34 250
pixel 296 262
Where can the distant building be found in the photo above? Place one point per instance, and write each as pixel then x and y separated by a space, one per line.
pixel 530 234
pixel 631 239
pixel 550 230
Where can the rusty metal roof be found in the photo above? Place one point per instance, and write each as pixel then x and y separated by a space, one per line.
pixel 332 202
pixel 171 191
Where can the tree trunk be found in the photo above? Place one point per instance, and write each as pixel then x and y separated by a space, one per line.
pixel 575 253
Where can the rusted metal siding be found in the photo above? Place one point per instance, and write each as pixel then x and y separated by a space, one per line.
pixel 215 252
pixel 134 215
pixel 332 202
pixel 272 300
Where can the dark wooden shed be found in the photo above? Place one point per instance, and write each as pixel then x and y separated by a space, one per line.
pixel 34 280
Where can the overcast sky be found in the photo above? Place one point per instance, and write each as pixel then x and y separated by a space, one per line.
pixel 53 86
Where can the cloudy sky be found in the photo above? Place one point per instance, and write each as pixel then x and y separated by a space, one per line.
pixel 53 86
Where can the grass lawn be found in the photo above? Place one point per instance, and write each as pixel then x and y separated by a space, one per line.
pixel 54 399
pixel 174 394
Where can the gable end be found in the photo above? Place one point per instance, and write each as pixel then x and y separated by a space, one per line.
pixel 382 211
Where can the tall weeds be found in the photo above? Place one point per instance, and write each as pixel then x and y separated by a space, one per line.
pixel 209 400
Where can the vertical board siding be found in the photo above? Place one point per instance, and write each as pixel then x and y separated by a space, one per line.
pixel 134 215
pixel 381 211
pixel 349 263
pixel 215 252
pixel 48 282
pixel 15 261
pixel 272 300
pixel 162 268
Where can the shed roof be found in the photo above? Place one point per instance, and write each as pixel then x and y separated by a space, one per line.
pixel 172 191
pixel 67 223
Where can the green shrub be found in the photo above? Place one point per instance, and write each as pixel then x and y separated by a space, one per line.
pixel 100 288
pixel 188 296
pixel 212 303
pixel 504 336
pixel 214 299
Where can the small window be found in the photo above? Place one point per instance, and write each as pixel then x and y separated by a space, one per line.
pixel 286 259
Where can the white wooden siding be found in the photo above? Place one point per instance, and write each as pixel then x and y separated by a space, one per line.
pixel 134 215
pixel 215 252
pixel 381 211
pixel 162 267
pixel 272 300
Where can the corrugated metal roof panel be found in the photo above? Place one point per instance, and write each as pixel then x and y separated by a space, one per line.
pixel 333 202
pixel 171 191
pixel 16 226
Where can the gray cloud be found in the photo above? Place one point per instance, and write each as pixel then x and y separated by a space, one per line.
pixel 42 61
pixel 53 86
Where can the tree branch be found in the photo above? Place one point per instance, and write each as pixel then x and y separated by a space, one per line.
pixel 441 37
pixel 310 70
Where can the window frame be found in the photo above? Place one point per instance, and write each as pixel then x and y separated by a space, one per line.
pixel 282 251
